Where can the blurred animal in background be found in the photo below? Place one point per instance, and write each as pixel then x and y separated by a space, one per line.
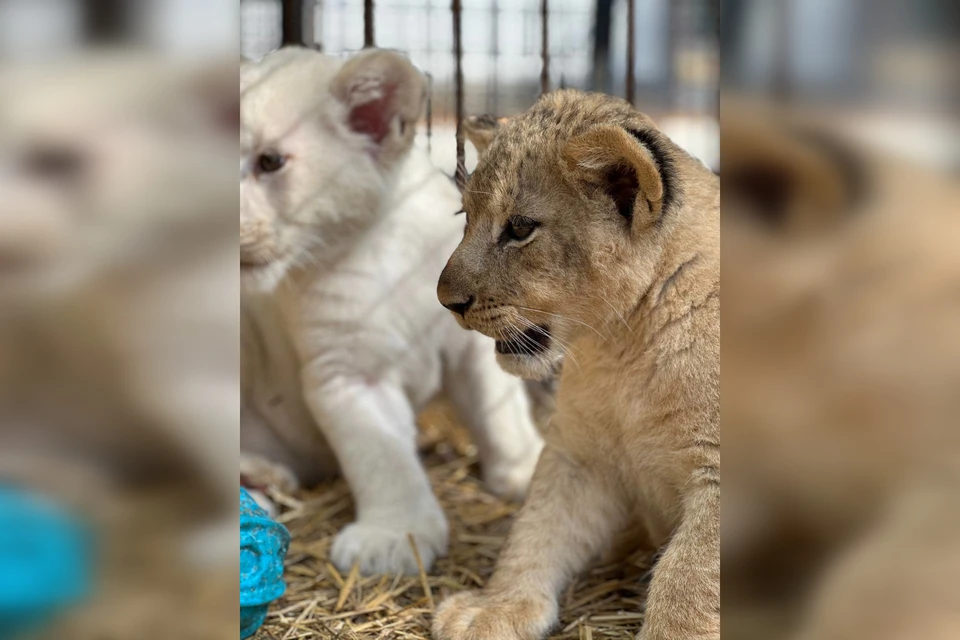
pixel 594 238
pixel 344 229
pixel 118 286
pixel 841 361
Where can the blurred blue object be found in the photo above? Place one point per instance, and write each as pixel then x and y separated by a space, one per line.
pixel 45 561
pixel 263 547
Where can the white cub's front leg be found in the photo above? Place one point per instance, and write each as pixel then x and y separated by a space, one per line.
pixel 495 407
pixel 372 430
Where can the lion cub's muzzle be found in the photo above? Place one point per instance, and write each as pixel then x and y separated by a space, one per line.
pixel 453 294
pixel 529 342
pixel 514 335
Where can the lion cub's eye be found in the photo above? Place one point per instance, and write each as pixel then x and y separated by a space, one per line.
pixel 519 228
pixel 270 162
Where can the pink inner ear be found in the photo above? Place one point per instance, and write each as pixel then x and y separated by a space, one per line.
pixel 373 118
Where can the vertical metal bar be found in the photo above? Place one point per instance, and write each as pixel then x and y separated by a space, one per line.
pixel 544 47
pixel 492 94
pixel 631 48
pixel 310 23
pixel 601 45
pixel 368 26
pixel 292 22
pixel 672 89
pixel 781 83
pixel 105 20
pixel 564 47
pixel 429 114
pixel 342 31
pixel 458 87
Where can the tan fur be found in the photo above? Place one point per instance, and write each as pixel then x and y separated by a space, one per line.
pixel 841 348
pixel 633 308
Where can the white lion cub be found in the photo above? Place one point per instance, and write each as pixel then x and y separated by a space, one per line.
pixel 344 229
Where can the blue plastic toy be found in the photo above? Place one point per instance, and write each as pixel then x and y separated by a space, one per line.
pixel 45 561
pixel 263 547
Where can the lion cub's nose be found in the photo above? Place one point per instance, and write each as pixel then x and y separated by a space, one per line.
pixel 452 292
pixel 459 307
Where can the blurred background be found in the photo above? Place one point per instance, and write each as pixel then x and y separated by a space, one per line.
pixel 875 65
pixel 119 329
pixel 841 320
pixel 675 55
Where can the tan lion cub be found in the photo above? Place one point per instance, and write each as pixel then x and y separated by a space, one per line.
pixel 591 235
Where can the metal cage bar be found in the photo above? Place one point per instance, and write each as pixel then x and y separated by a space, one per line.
pixel 429 113
pixel 631 49
pixel 603 13
pixel 458 88
pixel 105 21
pixel 545 46
pixel 368 25
pixel 292 16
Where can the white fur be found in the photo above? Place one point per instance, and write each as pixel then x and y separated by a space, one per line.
pixel 343 330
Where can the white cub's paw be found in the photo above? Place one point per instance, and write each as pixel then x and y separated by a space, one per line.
pixel 264 502
pixel 510 478
pixel 383 548
pixel 260 473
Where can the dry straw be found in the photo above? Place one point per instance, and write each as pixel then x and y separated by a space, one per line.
pixel 320 603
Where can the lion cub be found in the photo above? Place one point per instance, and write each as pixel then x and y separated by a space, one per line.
pixel 344 229
pixel 591 236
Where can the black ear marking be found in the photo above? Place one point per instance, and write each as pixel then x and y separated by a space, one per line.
pixel 622 185
pixel 666 167
pixel 767 188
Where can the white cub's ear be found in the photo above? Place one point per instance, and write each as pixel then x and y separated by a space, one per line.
pixel 384 95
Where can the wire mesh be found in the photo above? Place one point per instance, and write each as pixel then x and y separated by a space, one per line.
pixel 665 58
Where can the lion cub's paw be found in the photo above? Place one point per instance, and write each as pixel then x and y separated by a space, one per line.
pixel 385 549
pixel 476 616
pixel 653 632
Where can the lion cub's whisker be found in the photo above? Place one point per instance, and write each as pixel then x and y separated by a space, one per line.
pixel 563 317
pixel 566 348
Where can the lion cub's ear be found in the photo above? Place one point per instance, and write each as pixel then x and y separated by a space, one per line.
pixel 791 181
pixel 611 159
pixel 481 130
pixel 384 95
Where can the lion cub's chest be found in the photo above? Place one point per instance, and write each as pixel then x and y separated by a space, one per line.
pixel 610 418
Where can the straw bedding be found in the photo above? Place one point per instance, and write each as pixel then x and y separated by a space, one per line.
pixel 321 603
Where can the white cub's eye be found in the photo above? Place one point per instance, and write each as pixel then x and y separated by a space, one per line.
pixel 270 162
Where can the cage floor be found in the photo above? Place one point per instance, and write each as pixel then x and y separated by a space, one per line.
pixel 321 603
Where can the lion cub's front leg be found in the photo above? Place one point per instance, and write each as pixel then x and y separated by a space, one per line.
pixel 569 517
pixel 684 598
